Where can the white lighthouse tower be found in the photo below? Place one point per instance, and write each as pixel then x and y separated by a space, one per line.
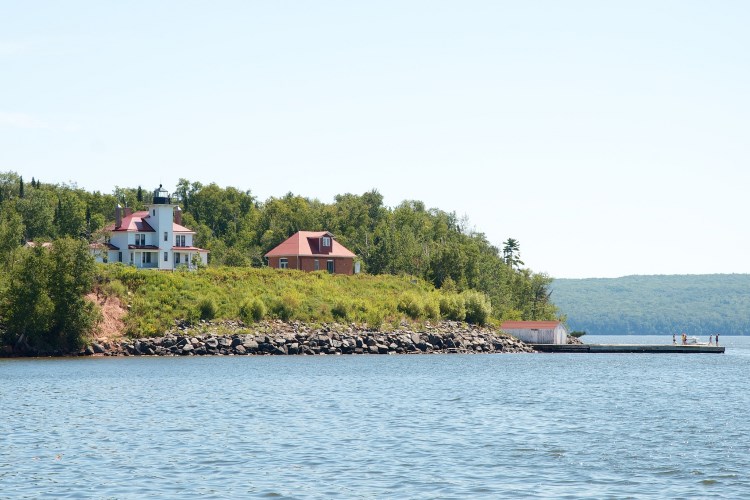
pixel 161 216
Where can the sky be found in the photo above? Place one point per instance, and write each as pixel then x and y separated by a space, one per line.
pixel 608 138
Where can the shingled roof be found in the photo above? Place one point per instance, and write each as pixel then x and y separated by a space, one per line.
pixel 306 243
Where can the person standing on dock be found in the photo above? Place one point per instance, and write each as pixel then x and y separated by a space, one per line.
pixel 717 339
pixel 710 339
pixel 674 338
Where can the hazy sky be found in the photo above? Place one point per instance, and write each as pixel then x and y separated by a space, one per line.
pixel 609 138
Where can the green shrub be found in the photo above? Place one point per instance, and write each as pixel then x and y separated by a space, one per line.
pixel 285 306
pixel 411 305
pixel 115 288
pixel 478 307
pixel 340 310
pixel 453 307
pixel 431 307
pixel 207 309
pixel 252 310
pixel 375 319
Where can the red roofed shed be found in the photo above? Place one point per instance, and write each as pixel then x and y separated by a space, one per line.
pixel 312 251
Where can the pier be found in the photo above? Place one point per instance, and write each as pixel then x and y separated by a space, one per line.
pixel 630 348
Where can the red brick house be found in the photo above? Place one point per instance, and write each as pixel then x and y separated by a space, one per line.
pixel 312 251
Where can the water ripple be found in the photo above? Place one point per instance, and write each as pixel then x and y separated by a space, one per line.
pixel 562 426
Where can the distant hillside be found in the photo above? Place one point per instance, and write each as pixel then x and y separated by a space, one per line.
pixel 695 304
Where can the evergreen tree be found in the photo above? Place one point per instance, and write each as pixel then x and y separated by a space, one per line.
pixel 20 188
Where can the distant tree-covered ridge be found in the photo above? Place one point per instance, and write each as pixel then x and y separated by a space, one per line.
pixel 238 229
pixel 657 305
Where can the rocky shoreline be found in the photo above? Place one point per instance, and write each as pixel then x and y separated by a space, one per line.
pixel 295 338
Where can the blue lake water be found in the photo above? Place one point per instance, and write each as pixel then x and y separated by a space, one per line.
pixel 430 426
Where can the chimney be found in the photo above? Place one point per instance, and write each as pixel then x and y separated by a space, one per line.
pixel 178 216
pixel 128 211
pixel 118 216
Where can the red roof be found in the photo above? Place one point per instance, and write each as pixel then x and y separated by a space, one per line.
pixel 136 223
pixel 529 325
pixel 110 246
pixel 305 243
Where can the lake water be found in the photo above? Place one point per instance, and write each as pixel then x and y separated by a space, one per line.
pixel 439 426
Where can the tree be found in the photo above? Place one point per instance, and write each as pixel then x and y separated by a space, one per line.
pixel 27 306
pixel 44 306
pixel 71 278
pixel 20 187
pixel 139 195
pixel 511 253
pixel 11 235
pixel 70 216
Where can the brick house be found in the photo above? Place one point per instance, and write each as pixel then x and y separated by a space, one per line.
pixel 312 251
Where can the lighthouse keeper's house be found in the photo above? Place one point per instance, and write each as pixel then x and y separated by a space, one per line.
pixel 153 238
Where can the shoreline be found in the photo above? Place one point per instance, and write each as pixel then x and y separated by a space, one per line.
pixel 297 338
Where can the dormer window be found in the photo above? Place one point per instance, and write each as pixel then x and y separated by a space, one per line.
pixel 326 241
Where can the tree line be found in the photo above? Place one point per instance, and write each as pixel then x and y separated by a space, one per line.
pixel 238 229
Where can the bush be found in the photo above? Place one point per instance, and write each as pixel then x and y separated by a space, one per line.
pixel 453 307
pixel 115 288
pixel 431 308
pixel 207 309
pixel 375 319
pixel 252 310
pixel 284 307
pixel 340 310
pixel 410 305
pixel 478 307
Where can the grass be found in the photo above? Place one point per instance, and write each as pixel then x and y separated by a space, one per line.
pixel 156 299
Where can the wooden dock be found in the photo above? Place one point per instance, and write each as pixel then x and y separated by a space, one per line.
pixel 630 348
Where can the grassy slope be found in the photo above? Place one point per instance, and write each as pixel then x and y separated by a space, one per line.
pixel 697 304
pixel 157 299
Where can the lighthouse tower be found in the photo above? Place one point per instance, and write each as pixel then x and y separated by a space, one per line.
pixel 160 218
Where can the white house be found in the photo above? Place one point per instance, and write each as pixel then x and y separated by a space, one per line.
pixel 537 332
pixel 153 238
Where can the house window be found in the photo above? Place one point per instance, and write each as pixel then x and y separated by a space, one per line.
pixel 140 240
pixel 146 258
pixel 317 265
pixel 283 263
pixel 329 266
pixel 153 212
pixel 166 257
pixel 176 258
pixel 179 240
pixel 131 257
pixel 326 241
pixel 165 236
pixel 119 256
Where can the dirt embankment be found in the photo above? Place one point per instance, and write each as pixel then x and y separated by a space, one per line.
pixel 111 328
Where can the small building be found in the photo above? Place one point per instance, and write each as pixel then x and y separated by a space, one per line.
pixel 312 251
pixel 153 238
pixel 537 332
